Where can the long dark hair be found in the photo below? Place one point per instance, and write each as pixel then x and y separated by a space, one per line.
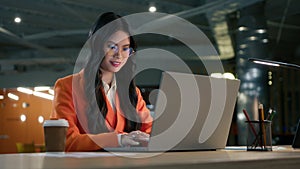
pixel 126 88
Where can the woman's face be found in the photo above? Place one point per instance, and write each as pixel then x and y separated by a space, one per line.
pixel 117 51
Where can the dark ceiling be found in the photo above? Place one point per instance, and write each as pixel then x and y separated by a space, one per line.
pixel 53 31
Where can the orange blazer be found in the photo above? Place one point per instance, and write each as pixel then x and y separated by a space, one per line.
pixel 69 103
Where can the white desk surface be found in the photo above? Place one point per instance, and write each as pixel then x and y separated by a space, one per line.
pixel 233 158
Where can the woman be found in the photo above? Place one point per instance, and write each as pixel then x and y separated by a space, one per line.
pixel 103 106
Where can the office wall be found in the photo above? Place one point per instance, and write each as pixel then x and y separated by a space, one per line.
pixel 12 129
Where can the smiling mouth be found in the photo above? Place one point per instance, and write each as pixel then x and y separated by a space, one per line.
pixel 115 64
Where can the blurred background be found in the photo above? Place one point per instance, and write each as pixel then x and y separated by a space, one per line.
pixel 41 39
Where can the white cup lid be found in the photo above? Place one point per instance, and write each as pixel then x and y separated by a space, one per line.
pixel 58 122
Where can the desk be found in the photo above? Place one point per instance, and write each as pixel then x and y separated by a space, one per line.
pixel 232 159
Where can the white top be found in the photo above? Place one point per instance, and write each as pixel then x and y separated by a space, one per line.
pixel 110 92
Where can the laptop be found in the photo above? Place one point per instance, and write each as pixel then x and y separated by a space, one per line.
pixel 192 112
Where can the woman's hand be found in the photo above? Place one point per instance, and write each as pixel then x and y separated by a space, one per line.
pixel 134 138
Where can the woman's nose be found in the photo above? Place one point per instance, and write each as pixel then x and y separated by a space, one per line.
pixel 118 54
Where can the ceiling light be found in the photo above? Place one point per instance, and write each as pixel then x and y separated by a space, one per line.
pixel 241 52
pixel 252 38
pixel 270 73
pixel 40 119
pixel 24 90
pixel 152 9
pixel 248 76
pixel 251 85
pixel 254 72
pixel 261 31
pixel 25 105
pixel 51 91
pixel 17 19
pixel 243 46
pixel 41 88
pixel 266 63
pixel 13 96
pixel 242 28
pixel 241 116
pixel 23 117
pixel 270 83
pixel 274 63
pixel 270 77
pixel 265 40
pixel 1 97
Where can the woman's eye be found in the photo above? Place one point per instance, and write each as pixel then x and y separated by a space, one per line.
pixel 112 47
pixel 126 49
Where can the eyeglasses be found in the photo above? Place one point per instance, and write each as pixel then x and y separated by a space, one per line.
pixel 113 49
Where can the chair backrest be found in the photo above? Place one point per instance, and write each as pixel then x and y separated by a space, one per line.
pixel 25 147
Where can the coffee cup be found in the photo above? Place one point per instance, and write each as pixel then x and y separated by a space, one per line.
pixel 55 131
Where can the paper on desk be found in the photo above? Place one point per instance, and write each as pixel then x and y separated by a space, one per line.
pixel 235 148
pixel 274 148
pixel 81 154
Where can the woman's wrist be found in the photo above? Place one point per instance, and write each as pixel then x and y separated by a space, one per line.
pixel 120 139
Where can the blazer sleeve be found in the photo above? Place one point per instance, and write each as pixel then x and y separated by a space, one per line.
pixel 77 140
pixel 144 113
